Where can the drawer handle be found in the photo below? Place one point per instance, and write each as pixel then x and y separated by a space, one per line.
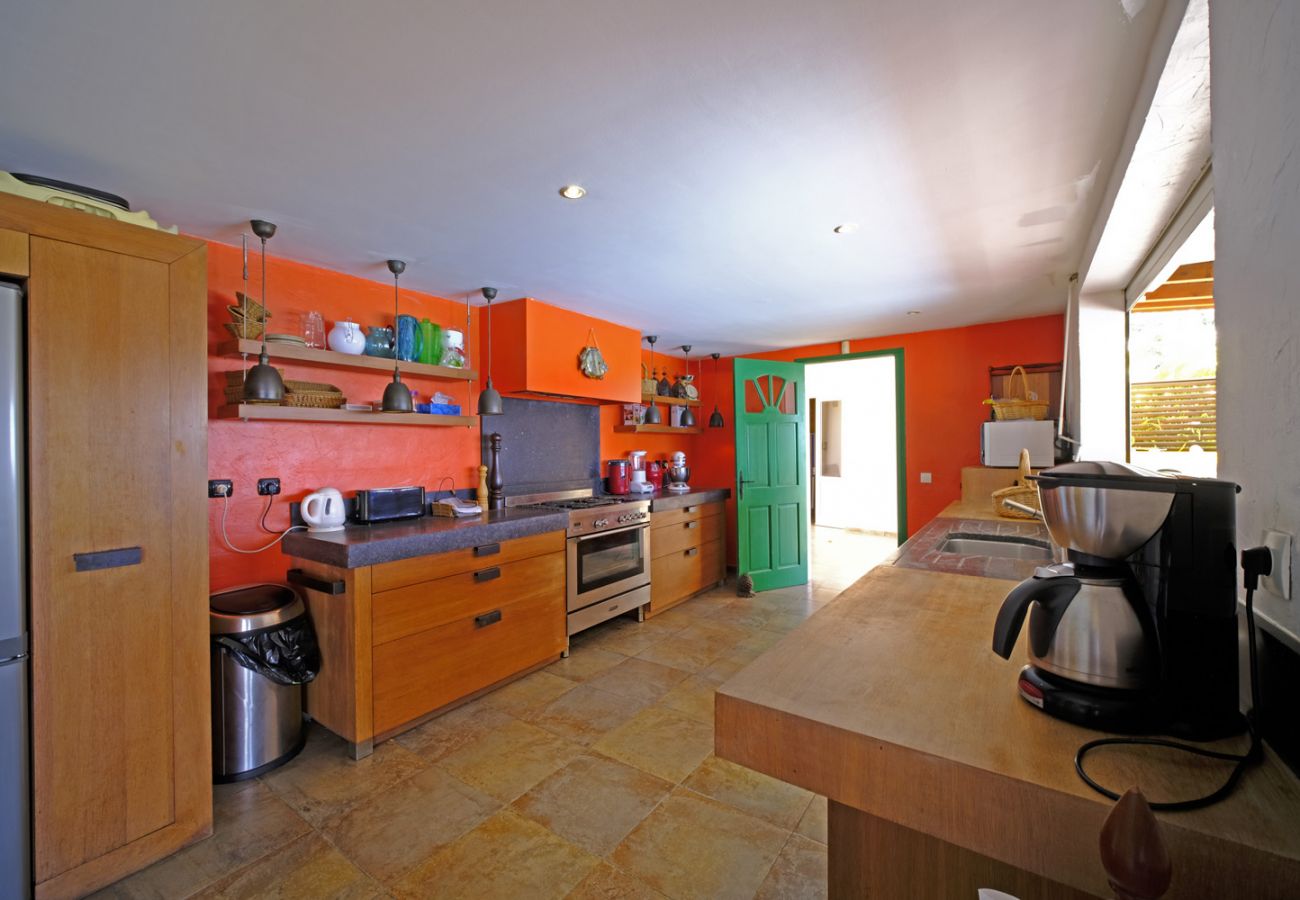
pixel 692 524
pixel 691 509
pixel 487 549
pixel 694 551
pixel 488 618
pixel 302 579
pixel 487 574
pixel 107 559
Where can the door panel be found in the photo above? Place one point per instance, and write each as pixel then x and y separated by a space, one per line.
pixel 102 640
pixel 772 487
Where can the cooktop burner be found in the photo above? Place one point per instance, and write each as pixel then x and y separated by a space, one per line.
pixel 582 502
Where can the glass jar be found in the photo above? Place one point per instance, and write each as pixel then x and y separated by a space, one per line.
pixel 379 341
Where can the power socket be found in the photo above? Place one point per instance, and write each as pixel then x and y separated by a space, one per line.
pixel 220 487
pixel 268 487
pixel 1278 582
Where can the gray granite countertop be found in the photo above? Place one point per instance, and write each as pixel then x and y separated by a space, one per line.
pixel 922 550
pixel 662 501
pixel 369 545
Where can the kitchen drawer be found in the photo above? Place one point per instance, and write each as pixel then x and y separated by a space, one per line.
pixel 423 672
pixel 428 604
pixel 683 535
pixel 679 575
pixel 388 576
pixel 606 609
pixel 685 514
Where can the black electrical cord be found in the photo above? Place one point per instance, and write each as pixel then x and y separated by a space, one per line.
pixel 1256 561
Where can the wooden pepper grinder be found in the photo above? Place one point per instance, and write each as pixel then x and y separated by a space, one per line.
pixel 495 483
pixel 482 488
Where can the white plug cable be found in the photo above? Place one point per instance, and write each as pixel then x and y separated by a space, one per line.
pixel 225 511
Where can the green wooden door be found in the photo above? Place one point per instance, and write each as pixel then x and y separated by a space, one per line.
pixel 771 472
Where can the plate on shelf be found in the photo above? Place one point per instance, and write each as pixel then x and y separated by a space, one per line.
pixel 285 339
pixel 359 407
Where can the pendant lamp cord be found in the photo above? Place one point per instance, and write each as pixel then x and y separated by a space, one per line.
pixel 1256 561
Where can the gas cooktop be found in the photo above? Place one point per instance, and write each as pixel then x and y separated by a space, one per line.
pixel 584 510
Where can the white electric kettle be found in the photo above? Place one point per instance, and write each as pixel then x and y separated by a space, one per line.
pixel 324 510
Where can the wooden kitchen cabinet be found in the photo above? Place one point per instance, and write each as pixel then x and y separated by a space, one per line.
pixel 406 639
pixel 117 458
pixel 687 553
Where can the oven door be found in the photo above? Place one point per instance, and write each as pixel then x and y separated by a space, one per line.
pixel 607 564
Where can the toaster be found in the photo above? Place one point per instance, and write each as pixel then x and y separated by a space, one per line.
pixel 387 504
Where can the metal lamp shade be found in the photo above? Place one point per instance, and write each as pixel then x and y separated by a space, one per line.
pixel 688 417
pixel 715 420
pixel 397 397
pixel 489 401
pixel 652 416
pixel 263 383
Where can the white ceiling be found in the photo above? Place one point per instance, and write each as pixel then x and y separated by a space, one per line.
pixel 720 142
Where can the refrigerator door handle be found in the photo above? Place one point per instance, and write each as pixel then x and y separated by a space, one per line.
pixel 13 649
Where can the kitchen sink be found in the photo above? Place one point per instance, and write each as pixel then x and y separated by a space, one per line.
pixel 1004 546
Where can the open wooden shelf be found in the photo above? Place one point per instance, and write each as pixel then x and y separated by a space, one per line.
pixel 266 412
pixel 668 401
pixel 343 360
pixel 658 429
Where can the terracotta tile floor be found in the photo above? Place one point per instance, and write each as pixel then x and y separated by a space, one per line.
pixel 593 778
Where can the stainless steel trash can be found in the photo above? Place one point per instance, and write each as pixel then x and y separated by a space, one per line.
pixel 257 724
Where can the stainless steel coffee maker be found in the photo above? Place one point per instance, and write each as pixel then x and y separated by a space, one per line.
pixel 1138 631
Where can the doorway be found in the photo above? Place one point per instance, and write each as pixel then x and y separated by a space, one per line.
pixel 856 461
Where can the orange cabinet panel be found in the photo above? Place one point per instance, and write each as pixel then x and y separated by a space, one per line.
pixel 535 349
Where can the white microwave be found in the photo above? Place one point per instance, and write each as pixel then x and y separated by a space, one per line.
pixel 1001 442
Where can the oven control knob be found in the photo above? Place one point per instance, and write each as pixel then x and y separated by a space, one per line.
pixel 600 523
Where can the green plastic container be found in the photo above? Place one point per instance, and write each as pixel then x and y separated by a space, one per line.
pixel 430 342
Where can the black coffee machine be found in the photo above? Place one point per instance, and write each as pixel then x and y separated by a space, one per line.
pixel 1138 631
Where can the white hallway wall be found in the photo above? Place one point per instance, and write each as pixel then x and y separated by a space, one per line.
pixel 866 495
pixel 1255 60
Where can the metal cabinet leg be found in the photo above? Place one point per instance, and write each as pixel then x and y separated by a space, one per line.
pixel 361 749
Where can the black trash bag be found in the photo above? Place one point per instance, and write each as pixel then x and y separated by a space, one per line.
pixel 288 654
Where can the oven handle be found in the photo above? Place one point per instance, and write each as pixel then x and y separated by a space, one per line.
pixel 587 537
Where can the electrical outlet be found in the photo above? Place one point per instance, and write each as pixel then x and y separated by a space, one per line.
pixel 1279 581
pixel 927 478
pixel 220 487
pixel 268 487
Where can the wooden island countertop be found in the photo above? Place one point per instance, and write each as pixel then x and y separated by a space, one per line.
pixel 891 702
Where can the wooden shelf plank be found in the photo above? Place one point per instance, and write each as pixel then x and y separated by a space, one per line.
pixel 666 401
pixel 657 429
pixel 344 360
pixel 264 412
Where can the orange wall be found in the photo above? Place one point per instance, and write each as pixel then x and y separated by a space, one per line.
pixel 946 378
pixel 308 455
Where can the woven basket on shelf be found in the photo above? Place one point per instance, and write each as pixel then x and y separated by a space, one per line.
pixel 238 330
pixel 1022 492
pixel 1008 408
pixel 315 399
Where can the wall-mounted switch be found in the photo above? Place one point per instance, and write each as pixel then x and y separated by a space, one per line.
pixel 1278 582
pixel 926 478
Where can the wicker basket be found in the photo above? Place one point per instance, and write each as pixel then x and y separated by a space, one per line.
pixel 1008 408
pixel 1021 492
pixel 253 331
pixel 315 399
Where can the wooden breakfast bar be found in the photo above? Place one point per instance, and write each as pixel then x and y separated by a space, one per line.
pixel 941 780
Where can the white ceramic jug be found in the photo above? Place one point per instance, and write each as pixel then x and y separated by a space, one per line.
pixel 346 337
pixel 324 510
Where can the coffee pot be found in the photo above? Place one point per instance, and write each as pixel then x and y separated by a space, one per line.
pixel 1138 631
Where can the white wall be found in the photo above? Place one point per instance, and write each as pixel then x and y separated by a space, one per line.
pixel 1103 386
pixel 865 496
pixel 1256 108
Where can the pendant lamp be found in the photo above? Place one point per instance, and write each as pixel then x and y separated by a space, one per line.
pixel 715 420
pixel 263 383
pixel 652 416
pixel 489 402
pixel 397 397
pixel 688 415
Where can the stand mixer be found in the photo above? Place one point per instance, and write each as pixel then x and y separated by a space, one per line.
pixel 677 474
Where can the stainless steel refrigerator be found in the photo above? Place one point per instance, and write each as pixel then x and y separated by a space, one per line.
pixel 15 781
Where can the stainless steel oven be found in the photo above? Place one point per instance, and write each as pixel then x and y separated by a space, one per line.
pixel 607 564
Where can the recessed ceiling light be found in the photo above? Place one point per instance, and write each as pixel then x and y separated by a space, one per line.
pixel 913 312
pixel 573 192
pixel 846 228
